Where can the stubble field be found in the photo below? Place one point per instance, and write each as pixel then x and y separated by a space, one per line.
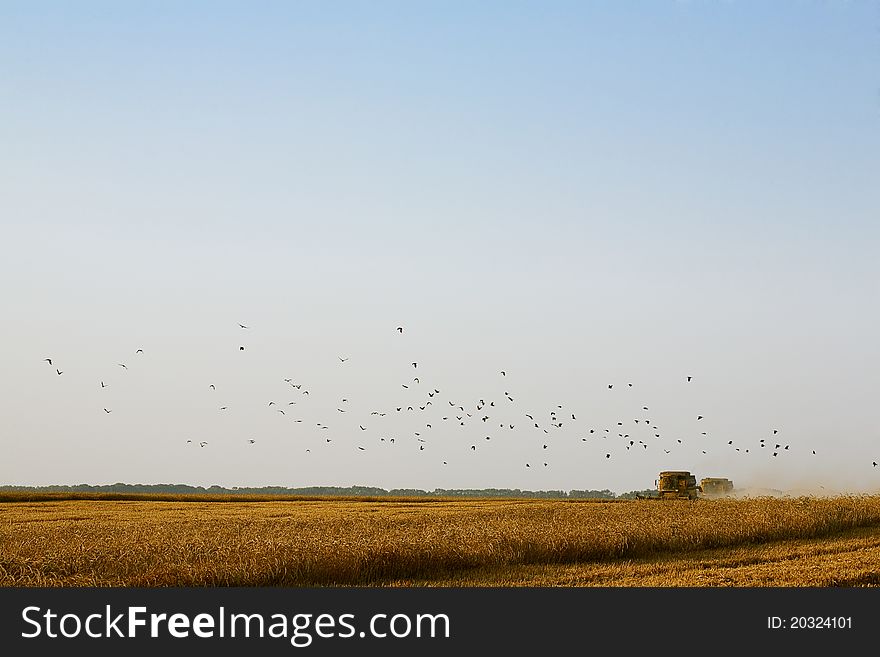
pixel 428 542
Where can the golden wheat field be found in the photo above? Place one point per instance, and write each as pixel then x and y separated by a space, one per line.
pixel 429 542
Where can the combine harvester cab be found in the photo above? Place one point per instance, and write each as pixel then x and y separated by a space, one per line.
pixel 715 487
pixel 678 485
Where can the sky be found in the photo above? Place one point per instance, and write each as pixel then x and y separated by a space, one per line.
pixel 580 194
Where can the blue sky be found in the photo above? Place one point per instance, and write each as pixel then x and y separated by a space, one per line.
pixel 578 193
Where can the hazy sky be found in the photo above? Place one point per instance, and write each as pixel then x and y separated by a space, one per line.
pixel 580 194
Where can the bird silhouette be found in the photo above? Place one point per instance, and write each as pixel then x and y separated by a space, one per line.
pixel 59 372
pixel 241 348
pixel 139 351
pixel 689 378
pixel 48 360
pixel 243 326
pixel 107 411
pixel 251 441
pixel 103 385
pixel 414 364
pixel 400 329
pixel 122 365
pixel 342 360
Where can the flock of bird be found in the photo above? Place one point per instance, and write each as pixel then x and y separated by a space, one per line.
pixel 632 433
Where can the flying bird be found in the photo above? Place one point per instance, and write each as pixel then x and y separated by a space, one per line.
pixel 242 326
pixel 59 372
pixel 414 364
pixel 212 386
pixel 689 378
pixel 241 348
pixel 400 329
pixel 48 360
pixel 139 351
pixel 103 385
pixel 107 411
pixel 342 360
pixel 122 365
pixel 251 441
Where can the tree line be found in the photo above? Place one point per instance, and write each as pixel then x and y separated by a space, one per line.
pixel 347 491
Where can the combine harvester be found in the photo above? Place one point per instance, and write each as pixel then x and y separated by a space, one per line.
pixel 715 487
pixel 682 485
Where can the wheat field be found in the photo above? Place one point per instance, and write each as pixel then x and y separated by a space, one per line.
pixel 428 542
